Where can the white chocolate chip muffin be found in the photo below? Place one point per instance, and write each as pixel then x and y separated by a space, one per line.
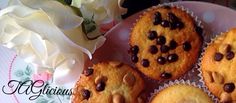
pixel 218 66
pixel 108 82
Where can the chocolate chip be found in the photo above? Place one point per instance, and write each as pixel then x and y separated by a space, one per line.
pixel 229 87
pixel 153 49
pixel 134 58
pixel 145 63
pixel 86 94
pixel 172 58
pixel 161 60
pixel 164 48
pixel 187 46
pixel 165 23
pixel 173 44
pixel 167 7
pixel 175 21
pixel 179 24
pixel 229 55
pixel 166 75
pixel 198 30
pixel 88 72
pixel 172 17
pixel 134 49
pixel 173 26
pixel 152 35
pixel 68 2
pixel 100 86
pixel 218 56
pixel 228 48
pixel 157 18
pixel 100 78
pixel 158 15
pixel 161 40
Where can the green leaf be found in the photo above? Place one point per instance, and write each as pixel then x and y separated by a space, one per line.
pixel 88 25
pixel 28 71
pixel 41 100
pixel 68 97
pixel 19 73
pixel 49 96
pixel 23 79
pixel 62 1
pixel 76 11
pixel 52 101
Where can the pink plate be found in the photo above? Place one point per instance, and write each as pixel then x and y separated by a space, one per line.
pixel 215 19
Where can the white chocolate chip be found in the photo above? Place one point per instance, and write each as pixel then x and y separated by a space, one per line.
pixel 116 64
pixel 217 77
pixel 209 74
pixel 140 100
pixel 117 98
pixel 225 98
pixel 129 79
pixel 223 48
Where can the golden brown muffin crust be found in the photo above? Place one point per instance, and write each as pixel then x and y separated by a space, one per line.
pixel 187 34
pixel 181 93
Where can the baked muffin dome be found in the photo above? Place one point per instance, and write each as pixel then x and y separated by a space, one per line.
pixel 181 93
pixel 165 43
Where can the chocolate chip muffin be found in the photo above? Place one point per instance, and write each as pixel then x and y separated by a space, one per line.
pixel 165 42
pixel 181 93
pixel 108 82
pixel 218 67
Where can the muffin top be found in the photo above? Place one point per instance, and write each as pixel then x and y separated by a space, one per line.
pixel 108 82
pixel 165 42
pixel 219 66
pixel 181 93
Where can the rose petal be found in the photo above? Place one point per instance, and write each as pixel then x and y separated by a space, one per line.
pixel 21 38
pixel 79 38
pixel 61 15
pixel 103 10
pixel 63 74
pixel 38 46
pixel 27 53
pixel 9 29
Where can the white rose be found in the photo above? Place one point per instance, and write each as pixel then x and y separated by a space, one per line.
pixel 103 10
pixel 47 34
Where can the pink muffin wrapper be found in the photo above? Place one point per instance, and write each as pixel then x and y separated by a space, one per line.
pixel 177 82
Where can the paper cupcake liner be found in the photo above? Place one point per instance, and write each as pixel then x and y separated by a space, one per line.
pixel 198 23
pixel 176 82
pixel 206 44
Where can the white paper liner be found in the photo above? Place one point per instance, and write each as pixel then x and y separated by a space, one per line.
pixel 206 44
pixel 190 72
pixel 183 82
